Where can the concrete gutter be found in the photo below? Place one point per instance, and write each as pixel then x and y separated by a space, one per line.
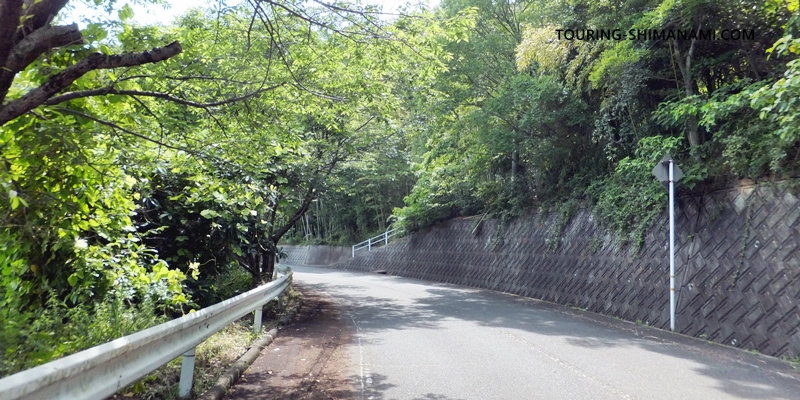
pixel 227 379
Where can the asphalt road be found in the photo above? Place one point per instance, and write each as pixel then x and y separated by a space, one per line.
pixel 420 340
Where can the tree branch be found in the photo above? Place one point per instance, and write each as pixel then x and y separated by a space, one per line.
pixel 9 21
pixel 127 131
pixel 164 96
pixel 185 78
pixel 41 40
pixel 309 197
pixel 37 15
pixel 31 47
pixel 63 79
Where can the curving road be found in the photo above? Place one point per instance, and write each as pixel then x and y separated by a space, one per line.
pixel 420 340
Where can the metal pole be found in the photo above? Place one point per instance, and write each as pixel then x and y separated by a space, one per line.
pixel 257 320
pixel 385 238
pixel 187 374
pixel 354 251
pixel 369 243
pixel 671 245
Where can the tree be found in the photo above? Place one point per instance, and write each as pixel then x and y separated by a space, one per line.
pixel 581 118
pixel 502 139
pixel 27 33
pixel 120 163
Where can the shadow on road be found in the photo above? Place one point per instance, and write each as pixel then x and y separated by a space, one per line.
pixel 737 373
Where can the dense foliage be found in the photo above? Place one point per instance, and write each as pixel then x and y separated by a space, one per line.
pixel 151 170
pixel 524 117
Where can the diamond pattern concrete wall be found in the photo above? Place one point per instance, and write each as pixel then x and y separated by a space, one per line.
pixel 314 255
pixel 738 266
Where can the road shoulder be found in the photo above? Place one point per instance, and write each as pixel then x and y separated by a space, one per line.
pixel 308 360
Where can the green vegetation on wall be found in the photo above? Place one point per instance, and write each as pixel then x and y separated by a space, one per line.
pixel 528 115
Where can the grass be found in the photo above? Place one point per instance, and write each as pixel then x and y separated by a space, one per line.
pixel 795 361
pixel 213 357
pixel 575 307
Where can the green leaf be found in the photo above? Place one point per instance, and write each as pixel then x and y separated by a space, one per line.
pixel 94 32
pixel 162 272
pixel 125 13
pixel 209 214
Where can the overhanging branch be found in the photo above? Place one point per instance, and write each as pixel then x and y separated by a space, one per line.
pixel 307 199
pixel 105 91
pixel 62 80
pixel 38 14
pixel 31 47
pixel 9 20
pixel 127 131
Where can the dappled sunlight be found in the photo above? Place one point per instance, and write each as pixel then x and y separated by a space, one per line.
pixel 600 348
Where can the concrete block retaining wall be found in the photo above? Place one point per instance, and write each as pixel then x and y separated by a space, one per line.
pixel 314 255
pixel 738 265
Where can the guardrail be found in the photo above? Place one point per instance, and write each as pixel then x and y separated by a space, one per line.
pixel 384 237
pixel 101 371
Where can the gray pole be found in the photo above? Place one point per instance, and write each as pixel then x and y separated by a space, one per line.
pixel 187 372
pixel 257 320
pixel 671 245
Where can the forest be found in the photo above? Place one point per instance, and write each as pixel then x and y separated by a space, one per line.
pixel 151 170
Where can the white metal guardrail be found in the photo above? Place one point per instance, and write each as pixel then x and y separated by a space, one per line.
pixel 382 238
pixel 103 370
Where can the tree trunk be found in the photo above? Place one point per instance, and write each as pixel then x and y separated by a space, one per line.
pixel 250 263
pixel 514 164
pixel 269 266
pixel 692 123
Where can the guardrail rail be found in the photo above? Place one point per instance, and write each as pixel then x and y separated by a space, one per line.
pixel 103 370
pixel 382 238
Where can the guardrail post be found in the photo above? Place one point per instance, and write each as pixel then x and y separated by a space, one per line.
pixel 369 244
pixel 187 374
pixel 385 238
pixel 257 320
pixel 354 251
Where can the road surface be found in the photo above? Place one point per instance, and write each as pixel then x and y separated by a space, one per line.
pixel 421 340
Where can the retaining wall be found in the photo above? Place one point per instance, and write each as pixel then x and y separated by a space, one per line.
pixel 314 255
pixel 738 266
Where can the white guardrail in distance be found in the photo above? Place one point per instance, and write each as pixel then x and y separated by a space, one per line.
pixel 103 370
pixel 382 238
